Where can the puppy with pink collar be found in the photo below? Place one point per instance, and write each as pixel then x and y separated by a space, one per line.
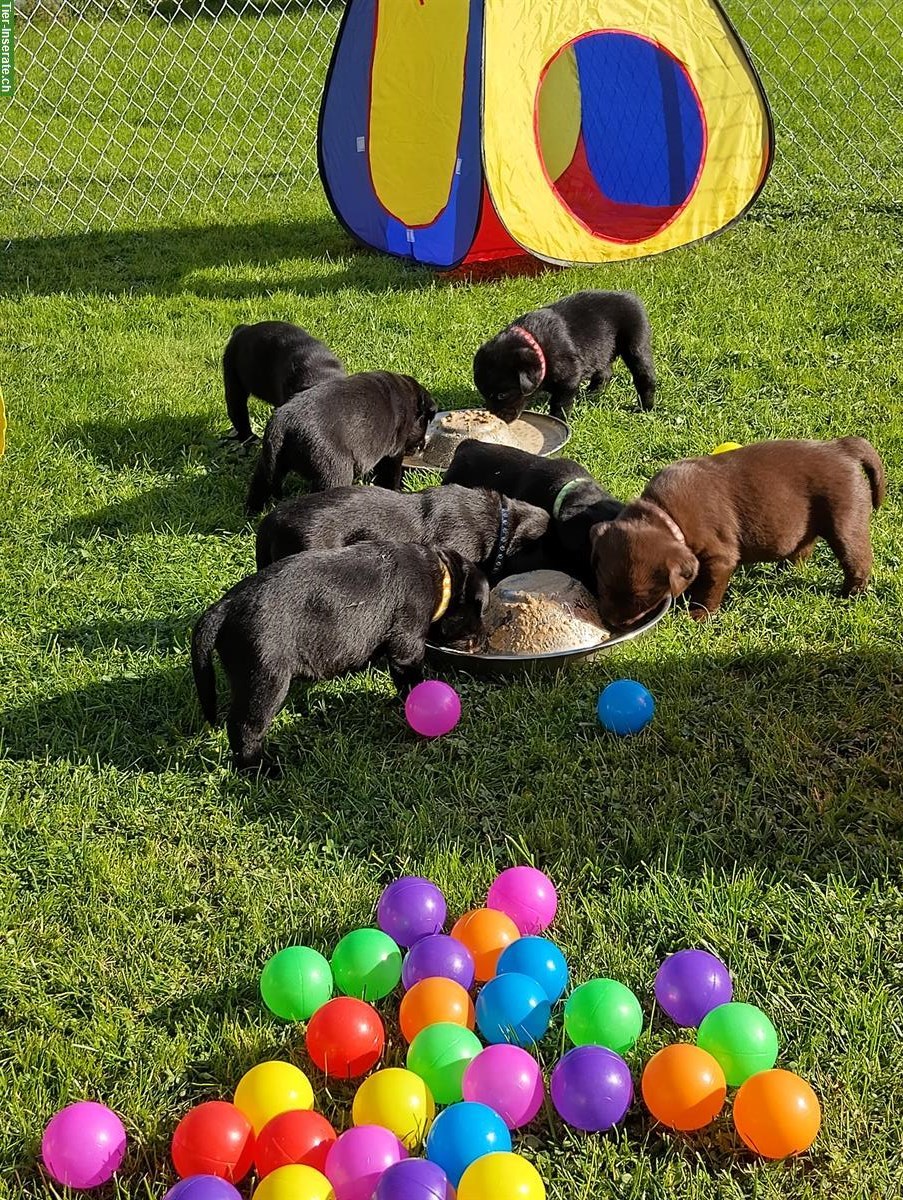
pixel 557 348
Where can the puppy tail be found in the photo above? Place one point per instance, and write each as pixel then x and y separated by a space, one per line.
pixel 203 641
pixel 868 458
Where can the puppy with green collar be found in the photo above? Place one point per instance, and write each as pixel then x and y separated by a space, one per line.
pixel 561 486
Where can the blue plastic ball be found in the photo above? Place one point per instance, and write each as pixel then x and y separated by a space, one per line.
pixel 463 1133
pixel 513 1008
pixel 625 707
pixel 541 960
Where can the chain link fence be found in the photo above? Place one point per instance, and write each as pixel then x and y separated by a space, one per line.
pixel 132 112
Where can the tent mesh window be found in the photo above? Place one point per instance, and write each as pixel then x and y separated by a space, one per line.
pixel 133 112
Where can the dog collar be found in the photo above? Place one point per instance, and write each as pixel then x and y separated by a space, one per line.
pixel 501 541
pixel 445 597
pixel 562 496
pixel 673 528
pixel 534 346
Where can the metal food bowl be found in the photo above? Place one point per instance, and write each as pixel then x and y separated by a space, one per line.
pixel 480 663
pixel 555 435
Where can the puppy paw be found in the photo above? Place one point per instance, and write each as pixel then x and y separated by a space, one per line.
pixel 698 612
pixel 854 587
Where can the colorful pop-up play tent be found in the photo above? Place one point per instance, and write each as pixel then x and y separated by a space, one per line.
pixel 574 130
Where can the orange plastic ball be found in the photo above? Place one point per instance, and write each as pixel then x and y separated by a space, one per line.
pixel 485 932
pixel 684 1087
pixel 777 1114
pixel 431 1001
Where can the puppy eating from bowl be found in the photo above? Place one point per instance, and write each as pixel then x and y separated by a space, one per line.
pixel 320 614
pixel 698 520
pixel 341 429
pixel 488 529
pixel 557 348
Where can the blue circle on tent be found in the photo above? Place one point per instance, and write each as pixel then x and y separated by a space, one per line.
pixel 641 140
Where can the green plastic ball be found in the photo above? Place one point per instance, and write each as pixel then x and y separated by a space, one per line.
pixel 741 1038
pixel 295 983
pixel 440 1054
pixel 603 1012
pixel 367 964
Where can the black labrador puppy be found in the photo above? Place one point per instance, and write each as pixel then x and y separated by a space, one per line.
pixel 320 614
pixel 488 529
pixel 556 348
pixel 273 360
pixel 341 429
pixel 560 486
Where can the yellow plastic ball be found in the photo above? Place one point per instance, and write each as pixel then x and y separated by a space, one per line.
pixel 398 1100
pixel 272 1088
pixel 725 446
pixel 294 1183
pixel 501 1177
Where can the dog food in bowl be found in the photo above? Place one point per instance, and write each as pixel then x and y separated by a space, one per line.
pixel 448 429
pixel 541 612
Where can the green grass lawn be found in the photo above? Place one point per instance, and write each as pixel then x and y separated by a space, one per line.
pixel 142 885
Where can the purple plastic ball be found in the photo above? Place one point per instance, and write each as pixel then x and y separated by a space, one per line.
pixel 690 983
pixel 508 1080
pixel 591 1088
pixel 438 955
pixel 411 908
pixel 414 1179
pixel 83 1145
pixel 203 1187
pixel 433 708
pixel 359 1158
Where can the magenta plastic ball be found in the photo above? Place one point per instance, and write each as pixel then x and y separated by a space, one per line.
pixel 414 1179
pixel 591 1088
pixel 690 983
pixel 438 955
pixel 508 1080
pixel 83 1145
pixel 203 1187
pixel 527 896
pixel 411 908
pixel 359 1158
pixel 433 708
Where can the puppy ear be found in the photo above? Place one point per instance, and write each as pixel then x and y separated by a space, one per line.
pixel 426 405
pixel 682 570
pixel 530 523
pixel 598 535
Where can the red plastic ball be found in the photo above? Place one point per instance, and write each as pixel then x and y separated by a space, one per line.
pixel 298 1137
pixel 345 1037
pixel 214 1139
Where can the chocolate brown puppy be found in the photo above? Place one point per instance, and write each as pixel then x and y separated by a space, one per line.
pixel 556 348
pixel 341 429
pixel 700 519
pixel 320 614
pixel 275 361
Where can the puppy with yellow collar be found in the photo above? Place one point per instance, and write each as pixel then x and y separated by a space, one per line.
pixel 319 614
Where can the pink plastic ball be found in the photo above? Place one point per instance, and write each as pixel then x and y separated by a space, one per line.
pixel 527 896
pixel 359 1158
pixel 508 1080
pixel 83 1145
pixel 433 708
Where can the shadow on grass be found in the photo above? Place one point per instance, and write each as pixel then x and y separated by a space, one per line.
pixel 783 759
pixel 162 262
pixel 163 442
pixel 205 496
